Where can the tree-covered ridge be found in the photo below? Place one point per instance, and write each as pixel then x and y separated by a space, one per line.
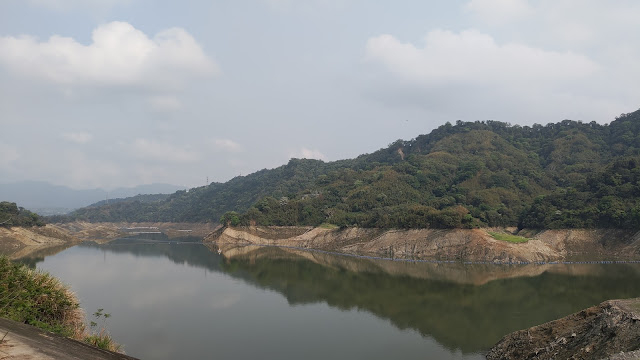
pixel 12 215
pixel 483 173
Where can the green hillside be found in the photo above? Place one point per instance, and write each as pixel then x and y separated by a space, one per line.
pixel 12 215
pixel 471 174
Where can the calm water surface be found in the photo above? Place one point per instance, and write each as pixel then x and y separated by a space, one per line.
pixel 183 301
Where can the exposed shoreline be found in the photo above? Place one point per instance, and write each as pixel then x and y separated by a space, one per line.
pixel 472 245
pixel 20 242
pixel 423 245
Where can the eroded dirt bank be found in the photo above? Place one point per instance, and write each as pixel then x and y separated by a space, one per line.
pixel 456 244
pixel 20 242
pixel 104 232
pixel 17 242
pixel 610 330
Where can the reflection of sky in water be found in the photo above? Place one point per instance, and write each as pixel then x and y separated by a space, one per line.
pixel 167 310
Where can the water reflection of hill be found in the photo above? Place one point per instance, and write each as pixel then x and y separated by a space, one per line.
pixel 32 255
pixel 466 307
pixel 189 253
pixel 426 296
pixel 457 272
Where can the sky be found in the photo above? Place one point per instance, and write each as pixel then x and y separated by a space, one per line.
pixel 111 93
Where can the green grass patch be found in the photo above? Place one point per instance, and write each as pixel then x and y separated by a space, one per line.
pixel 507 237
pixel 328 226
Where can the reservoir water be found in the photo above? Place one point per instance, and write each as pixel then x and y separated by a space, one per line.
pixel 184 301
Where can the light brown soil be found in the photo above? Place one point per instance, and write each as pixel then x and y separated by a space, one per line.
pixel 18 242
pixel 474 245
pixel 104 232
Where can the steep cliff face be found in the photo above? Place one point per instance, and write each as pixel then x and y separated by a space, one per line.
pixel 456 244
pixel 598 332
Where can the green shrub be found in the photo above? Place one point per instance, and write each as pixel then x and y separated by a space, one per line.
pixel 36 298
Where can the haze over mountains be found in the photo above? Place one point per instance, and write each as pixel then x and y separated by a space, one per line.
pixel 48 199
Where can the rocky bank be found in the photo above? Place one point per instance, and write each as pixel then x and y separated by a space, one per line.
pixel 610 330
pixel 475 245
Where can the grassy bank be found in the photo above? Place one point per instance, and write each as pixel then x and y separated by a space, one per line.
pixel 36 298
pixel 507 237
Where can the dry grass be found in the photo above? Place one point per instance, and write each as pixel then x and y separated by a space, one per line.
pixel 37 298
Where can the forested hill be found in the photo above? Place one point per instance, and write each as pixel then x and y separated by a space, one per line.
pixel 486 173
pixel 12 215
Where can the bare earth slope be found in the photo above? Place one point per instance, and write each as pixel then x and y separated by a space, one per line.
pixel 455 244
pixel 20 241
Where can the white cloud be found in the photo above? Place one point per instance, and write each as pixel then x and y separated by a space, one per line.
pixel 499 12
pixel 78 137
pixel 469 75
pixel 120 55
pixel 227 145
pixel 305 153
pixel 158 151
pixel 474 58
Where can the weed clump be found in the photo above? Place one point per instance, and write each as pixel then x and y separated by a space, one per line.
pixel 101 338
pixel 36 298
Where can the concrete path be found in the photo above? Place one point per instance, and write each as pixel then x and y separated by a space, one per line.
pixel 24 342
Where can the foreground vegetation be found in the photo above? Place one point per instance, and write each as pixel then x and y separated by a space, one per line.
pixel 472 174
pixel 39 299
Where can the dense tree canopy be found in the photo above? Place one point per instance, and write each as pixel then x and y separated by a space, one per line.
pixel 471 174
pixel 12 215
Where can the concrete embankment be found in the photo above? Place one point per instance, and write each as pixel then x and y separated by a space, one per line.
pixel 610 330
pixel 474 245
pixel 24 342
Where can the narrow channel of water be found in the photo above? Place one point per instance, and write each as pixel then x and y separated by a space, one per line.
pixel 184 301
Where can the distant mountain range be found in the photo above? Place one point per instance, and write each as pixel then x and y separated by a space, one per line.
pixel 48 199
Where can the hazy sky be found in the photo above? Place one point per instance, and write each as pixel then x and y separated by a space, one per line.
pixel 106 93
